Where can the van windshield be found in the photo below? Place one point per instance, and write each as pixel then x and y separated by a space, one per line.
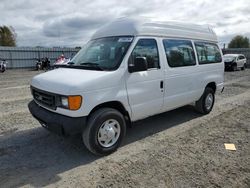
pixel 102 54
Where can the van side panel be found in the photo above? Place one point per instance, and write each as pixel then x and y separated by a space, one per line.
pixel 180 84
pixel 207 73
pixel 186 84
pixel 181 87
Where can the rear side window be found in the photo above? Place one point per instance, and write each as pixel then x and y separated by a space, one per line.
pixel 146 48
pixel 179 52
pixel 241 57
pixel 207 53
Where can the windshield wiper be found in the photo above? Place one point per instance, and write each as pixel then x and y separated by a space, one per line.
pixel 89 64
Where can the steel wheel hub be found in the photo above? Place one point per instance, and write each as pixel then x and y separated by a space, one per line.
pixel 209 101
pixel 109 133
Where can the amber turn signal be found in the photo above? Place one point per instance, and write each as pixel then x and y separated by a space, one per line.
pixel 75 102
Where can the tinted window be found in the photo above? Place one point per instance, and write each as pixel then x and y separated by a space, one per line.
pixel 207 53
pixel 146 48
pixel 241 57
pixel 179 53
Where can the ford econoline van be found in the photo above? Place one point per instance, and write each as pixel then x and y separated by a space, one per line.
pixel 129 70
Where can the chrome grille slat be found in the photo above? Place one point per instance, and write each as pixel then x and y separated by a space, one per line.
pixel 44 98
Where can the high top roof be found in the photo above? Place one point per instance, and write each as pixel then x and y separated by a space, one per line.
pixel 148 27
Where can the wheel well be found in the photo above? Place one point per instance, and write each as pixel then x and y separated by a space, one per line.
pixel 212 85
pixel 115 105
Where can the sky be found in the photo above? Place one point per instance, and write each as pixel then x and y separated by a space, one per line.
pixel 71 23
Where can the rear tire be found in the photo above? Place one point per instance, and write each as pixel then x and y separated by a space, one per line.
pixel 205 104
pixel 105 131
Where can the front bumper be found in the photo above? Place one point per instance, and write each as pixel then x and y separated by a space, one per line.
pixel 228 66
pixel 60 124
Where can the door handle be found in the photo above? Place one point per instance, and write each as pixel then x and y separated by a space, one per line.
pixel 161 84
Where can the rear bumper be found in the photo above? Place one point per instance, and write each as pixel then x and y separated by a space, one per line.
pixel 60 124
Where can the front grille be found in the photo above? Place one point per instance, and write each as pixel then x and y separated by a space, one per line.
pixel 44 98
pixel 228 62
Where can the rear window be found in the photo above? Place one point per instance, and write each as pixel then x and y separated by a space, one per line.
pixel 208 53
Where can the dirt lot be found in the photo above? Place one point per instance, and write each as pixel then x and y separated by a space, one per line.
pixel 175 149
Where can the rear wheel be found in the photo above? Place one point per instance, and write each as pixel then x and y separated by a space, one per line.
pixel 205 104
pixel 105 131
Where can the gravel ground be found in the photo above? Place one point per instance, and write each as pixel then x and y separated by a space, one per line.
pixel 179 148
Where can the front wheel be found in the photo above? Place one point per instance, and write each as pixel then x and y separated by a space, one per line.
pixel 234 67
pixel 105 131
pixel 244 67
pixel 205 104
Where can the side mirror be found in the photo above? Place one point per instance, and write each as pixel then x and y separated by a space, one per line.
pixel 140 64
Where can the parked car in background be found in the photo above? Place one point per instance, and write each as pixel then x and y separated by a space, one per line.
pixel 235 61
pixel 130 69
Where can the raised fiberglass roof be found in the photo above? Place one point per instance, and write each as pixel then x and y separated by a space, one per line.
pixel 149 27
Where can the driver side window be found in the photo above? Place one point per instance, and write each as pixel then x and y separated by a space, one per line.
pixel 241 57
pixel 146 48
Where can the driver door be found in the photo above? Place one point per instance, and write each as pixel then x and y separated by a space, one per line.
pixel 145 88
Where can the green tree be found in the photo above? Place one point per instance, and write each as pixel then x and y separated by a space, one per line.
pixel 7 36
pixel 239 41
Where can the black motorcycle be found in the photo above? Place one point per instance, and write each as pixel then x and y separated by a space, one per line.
pixel 38 64
pixel 43 65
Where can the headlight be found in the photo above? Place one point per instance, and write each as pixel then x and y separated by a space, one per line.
pixel 64 102
pixel 71 102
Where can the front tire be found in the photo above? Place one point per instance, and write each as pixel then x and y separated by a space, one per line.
pixel 205 104
pixel 234 67
pixel 244 67
pixel 105 131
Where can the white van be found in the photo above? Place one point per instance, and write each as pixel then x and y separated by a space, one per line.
pixel 130 69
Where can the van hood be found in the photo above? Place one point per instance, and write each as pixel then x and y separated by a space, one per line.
pixel 70 81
